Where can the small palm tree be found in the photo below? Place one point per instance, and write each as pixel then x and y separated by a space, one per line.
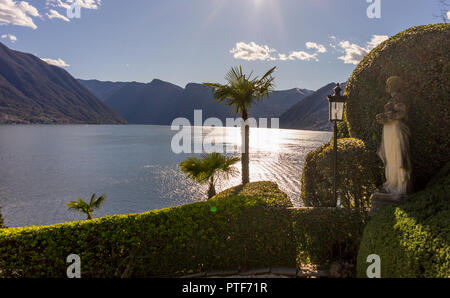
pixel 240 92
pixel 208 168
pixel 87 208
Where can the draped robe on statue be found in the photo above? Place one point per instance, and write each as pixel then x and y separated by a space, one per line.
pixel 394 149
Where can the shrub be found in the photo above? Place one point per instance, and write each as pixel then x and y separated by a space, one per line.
pixel 227 233
pixel 412 238
pixel 420 56
pixel 444 172
pixel 343 130
pixel 336 231
pixel 359 173
pixel 267 191
pixel 242 228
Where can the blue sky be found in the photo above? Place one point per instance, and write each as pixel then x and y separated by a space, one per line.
pixel 312 42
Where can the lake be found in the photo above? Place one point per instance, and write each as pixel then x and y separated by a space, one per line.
pixel 44 167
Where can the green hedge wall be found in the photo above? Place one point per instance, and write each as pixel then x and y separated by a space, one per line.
pixel 421 57
pixel 327 235
pixel 359 173
pixel 412 238
pixel 240 229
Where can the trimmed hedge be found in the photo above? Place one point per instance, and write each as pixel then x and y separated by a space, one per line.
pixel 268 191
pixel 238 229
pixel 421 57
pixel 327 235
pixel 218 234
pixel 360 171
pixel 412 238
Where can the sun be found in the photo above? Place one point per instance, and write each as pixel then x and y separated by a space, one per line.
pixel 257 2
pixel 257 12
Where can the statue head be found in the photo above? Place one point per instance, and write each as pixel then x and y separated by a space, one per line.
pixel 394 85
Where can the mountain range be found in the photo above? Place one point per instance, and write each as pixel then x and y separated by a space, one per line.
pixel 32 91
pixel 311 113
pixel 160 102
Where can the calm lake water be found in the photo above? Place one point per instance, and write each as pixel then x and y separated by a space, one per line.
pixel 44 167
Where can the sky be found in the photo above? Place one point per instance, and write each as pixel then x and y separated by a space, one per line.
pixel 312 42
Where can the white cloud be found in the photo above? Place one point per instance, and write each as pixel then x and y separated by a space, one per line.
pixel 312 45
pixel 448 15
pixel 53 14
pixel 376 40
pixel 12 38
pixel 21 13
pixel 17 13
pixel 355 53
pixel 59 62
pixel 283 57
pixel 302 55
pixel 252 52
pixel 88 4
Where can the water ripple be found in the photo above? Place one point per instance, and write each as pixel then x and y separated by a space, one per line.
pixel 44 167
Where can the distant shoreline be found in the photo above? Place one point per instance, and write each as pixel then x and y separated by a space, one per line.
pixel 131 124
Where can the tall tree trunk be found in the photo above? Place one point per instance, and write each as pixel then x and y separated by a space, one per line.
pixel 245 158
pixel 212 189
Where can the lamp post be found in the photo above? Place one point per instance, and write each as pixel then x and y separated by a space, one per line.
pixel 337 102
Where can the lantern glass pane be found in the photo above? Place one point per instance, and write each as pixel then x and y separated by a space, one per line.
pixel 336 111
pixel 339 111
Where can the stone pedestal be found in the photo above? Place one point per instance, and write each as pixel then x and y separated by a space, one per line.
pixel 380 200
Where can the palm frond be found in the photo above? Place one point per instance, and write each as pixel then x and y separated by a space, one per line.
pixel 235 76
pixel 97 203
pixel 194 168
pixel 91 202
pixel 78 205
pixel 241 90
pixel 203 168
pixel 87 208
pixel 268 74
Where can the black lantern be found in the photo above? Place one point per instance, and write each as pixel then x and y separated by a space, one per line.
pixel 337 102
pixel 336 105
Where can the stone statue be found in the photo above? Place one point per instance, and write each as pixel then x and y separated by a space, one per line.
pixel 394 149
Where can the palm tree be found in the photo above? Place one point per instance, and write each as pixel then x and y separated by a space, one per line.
pixel 208 168
pixel 240 92
pixel 87 208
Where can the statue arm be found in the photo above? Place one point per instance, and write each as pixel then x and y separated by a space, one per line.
pixel 382 118
pixel 399 111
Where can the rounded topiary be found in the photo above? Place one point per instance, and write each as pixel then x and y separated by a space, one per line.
pixel 359 173
pixel 420 56
pixel 412 238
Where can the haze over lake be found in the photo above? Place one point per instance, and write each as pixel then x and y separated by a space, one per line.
pixel 44 167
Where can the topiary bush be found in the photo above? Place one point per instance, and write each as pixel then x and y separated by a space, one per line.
pixel 412 238
pixel 268 191
pixel 242 228
pixel 359 173
pixel 421 57
pixel 336 231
